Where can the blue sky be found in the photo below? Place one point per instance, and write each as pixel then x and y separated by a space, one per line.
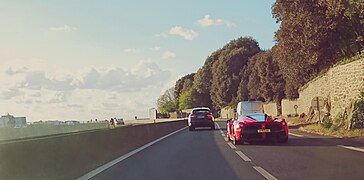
pixel 99 59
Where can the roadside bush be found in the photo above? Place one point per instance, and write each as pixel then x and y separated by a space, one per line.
pixel 327 122
pixel 358 113
pixel 337 122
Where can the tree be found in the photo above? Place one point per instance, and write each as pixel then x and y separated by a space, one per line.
pixel 167 103
pixel 203 80
pixel 272 83
pixel 185 100
pixel 254 81
pixel 226 70
pixel 245 74
pixel 183 83
pixel 314 34
pixel 348 14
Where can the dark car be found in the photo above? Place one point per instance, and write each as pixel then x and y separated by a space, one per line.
pixel 200 117
pixel 120 121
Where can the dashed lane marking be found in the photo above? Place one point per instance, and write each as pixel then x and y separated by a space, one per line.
pixel 226 139
pixel 218 126
pixel 351 148
pixel 243 156
pixel 231 145
pixel 223 135
pixel 297 135
pixel 264 173
pixel 121 158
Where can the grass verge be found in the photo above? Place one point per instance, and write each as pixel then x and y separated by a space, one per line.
pixel 296 121
pixel 309 127
pixel 341 133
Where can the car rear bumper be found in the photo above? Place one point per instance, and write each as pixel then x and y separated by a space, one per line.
pixel 204 123
pixel 246 136
pixel 250 133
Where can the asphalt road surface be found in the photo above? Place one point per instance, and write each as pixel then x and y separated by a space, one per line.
pixel 206 154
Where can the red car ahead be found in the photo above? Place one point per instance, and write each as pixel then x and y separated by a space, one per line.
pixel 252 124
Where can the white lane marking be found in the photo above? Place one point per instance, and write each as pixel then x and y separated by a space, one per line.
pixel 264 173
pixel 231 145
pixel 243 156
pixel 121 158
pixel 218 126
pixel 223 135
pixel 297 135
pixel 351 148
pixel 226 139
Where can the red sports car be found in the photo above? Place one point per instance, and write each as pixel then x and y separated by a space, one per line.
pixel 252 124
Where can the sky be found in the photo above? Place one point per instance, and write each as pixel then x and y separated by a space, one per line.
pixel 93 59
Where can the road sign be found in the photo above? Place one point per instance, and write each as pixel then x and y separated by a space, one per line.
pixel 295 106
pixel 317 103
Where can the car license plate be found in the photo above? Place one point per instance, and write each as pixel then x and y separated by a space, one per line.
pixel 263 130
pixel 200 116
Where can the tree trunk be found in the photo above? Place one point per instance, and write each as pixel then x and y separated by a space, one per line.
pixel 279 107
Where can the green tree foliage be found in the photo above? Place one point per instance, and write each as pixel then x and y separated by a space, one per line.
pixel 167 103
pixel 245 74
pixel 315 34
pixel 266 81
pixel 358 113
pixel 272 82
pixel 183 83
pixel 254 81
pixel 226 70
pixel 349 16
pixel 185 100
pixel 203 81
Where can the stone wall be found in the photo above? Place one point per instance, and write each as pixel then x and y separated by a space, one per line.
pixel 288 107
pixel 270 108
pixel 227 113
pixel 341 85
pixel 339 88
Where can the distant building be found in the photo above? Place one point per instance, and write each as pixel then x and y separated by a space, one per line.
pixel 13 122
pixel 20 122
pixel 152 114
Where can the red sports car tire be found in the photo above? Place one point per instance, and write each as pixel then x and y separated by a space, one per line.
pixel 235 142
pixel 284 140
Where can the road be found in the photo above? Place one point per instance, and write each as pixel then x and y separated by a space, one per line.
pixel 206 154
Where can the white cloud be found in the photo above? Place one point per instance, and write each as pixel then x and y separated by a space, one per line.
pixel 142 75
pixel 206 21
pixel 155 48
pixel 94 92
pixel 168 55
pixel 64 28
pixel 58 97
pixel 9 93
pixel 132 50
pixel 187 34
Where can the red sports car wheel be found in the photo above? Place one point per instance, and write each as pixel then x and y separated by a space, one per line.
pixel 236 142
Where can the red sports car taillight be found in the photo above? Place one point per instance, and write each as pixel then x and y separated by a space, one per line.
pixel 209 115
pixel 241 124
pixel 284 123
pixel 193 116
